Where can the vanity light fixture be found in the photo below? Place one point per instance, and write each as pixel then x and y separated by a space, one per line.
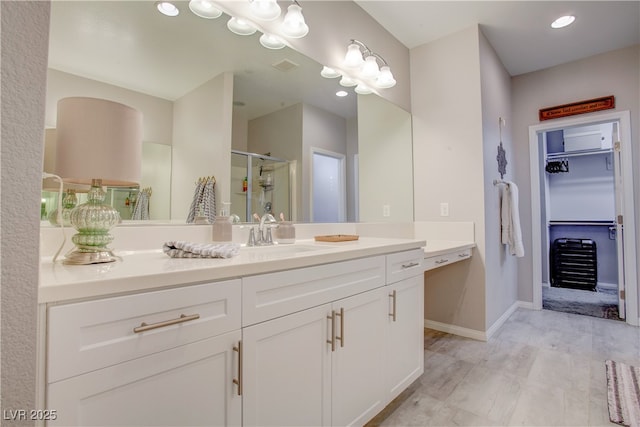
pixel 204 9
pixel 363 89
pixel 563 21
pixel 368 65
pixel 271 42
pixel 167 8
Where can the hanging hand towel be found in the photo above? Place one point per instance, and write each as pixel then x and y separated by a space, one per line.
pixel 510 219
pixel 182 249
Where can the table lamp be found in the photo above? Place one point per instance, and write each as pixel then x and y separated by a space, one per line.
pixel 99 142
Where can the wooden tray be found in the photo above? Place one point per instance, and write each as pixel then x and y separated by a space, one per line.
pixel 337 238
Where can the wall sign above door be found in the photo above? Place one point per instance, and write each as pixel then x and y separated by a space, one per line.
pixel 581 107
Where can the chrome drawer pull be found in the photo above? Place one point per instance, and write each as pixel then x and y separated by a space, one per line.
pixel 393 296
pixel 412 264
pixel 183 318
pixel 463 255
pixel 332 341
pixel 442 261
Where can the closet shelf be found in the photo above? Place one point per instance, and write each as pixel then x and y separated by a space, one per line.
pixel 577 153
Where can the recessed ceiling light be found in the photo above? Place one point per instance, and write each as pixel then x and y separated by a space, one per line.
pixel 563 21
pixel 167 8
pixel 342 93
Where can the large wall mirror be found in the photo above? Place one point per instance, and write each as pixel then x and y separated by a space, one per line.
pixel 212 99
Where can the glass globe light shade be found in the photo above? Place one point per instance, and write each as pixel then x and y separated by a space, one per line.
pixel 385 79
pixel 329 73
pixel 267 10
pixel 353 58
pixel 370 68
pixel 240 27
pixel 347 82
pixel 363 89
pixel 204 9
pixel 271 42
pixel 293 25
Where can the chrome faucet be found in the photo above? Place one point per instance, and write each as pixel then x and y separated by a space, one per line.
pixel 264 231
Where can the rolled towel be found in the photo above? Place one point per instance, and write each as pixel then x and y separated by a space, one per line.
pixel 182 249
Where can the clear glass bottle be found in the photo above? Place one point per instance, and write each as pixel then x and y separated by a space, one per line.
pixel 222 228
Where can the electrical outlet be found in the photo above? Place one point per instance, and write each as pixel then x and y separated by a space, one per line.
pixel 386 210
pixel 444 209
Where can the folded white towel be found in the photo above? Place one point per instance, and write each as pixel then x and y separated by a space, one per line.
pixel 510 219
pixel 182 249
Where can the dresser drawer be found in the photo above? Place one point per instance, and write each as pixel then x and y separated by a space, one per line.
pixel 272 295
pixel 90 335
pixel 441 260
pixel 403 265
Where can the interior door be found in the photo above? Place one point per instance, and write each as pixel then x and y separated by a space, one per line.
pixel 618 184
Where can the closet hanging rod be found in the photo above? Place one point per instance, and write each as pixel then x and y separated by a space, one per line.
pixel 578 153
pixel 605 223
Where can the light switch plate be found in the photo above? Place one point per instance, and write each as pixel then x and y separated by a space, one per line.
pixel 444 209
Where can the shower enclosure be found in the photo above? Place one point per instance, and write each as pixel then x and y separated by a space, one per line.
pixel 259 183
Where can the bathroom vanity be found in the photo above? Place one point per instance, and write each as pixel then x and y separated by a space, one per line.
pixel 305 334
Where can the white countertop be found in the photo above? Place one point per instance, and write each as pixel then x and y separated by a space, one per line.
pixel 152 269
pixel 441 247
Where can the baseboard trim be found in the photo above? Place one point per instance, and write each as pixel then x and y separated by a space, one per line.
pixel 473 333
pixel 455 330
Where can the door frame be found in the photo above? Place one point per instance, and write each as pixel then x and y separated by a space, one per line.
pixel 630 269
pixel 342 207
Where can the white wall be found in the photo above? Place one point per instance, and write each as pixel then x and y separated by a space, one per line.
pixel 613 73
pixel 25 32
pixel 202 142
pixel 447 150
pixel 384 142
pixel 501 273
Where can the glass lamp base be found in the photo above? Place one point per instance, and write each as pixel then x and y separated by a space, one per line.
pixel 84 257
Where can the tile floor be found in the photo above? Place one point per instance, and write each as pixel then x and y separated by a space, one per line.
pixel 542 368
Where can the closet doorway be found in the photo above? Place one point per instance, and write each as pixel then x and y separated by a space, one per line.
pixel 582 208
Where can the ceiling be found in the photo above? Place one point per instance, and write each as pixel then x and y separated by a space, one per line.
pixel 519 31
pixel 129 44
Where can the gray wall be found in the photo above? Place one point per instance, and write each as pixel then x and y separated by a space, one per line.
pixel 24 67
pixel 613 73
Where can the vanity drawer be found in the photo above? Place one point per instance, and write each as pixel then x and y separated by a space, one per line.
pixel 441 260
pixel 403 265
pixel 90 335
pixel 267 296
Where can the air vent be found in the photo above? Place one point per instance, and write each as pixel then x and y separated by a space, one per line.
pixel 285 65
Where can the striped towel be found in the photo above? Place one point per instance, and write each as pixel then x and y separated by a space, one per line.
pixel 182 249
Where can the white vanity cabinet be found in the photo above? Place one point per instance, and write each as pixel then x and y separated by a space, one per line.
pixel 338 363
pixel 157 358
pixel 405 324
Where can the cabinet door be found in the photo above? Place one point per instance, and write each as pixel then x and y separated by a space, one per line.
pixel 187 385
pixel 358 361
pixel 287 370
pixel 405 324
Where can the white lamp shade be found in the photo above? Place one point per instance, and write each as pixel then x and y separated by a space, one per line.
pixel 293 25
pixel 241 27
pixel 204 9
pixel 329 73
pixel 385 79
pixel 370 68
pixel 363 89
pixel 347 81
pixel 353 58
pixel 271 42
pixel 97 138
pixel 267 10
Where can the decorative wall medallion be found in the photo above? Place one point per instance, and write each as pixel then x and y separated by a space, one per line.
pixel 502 161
